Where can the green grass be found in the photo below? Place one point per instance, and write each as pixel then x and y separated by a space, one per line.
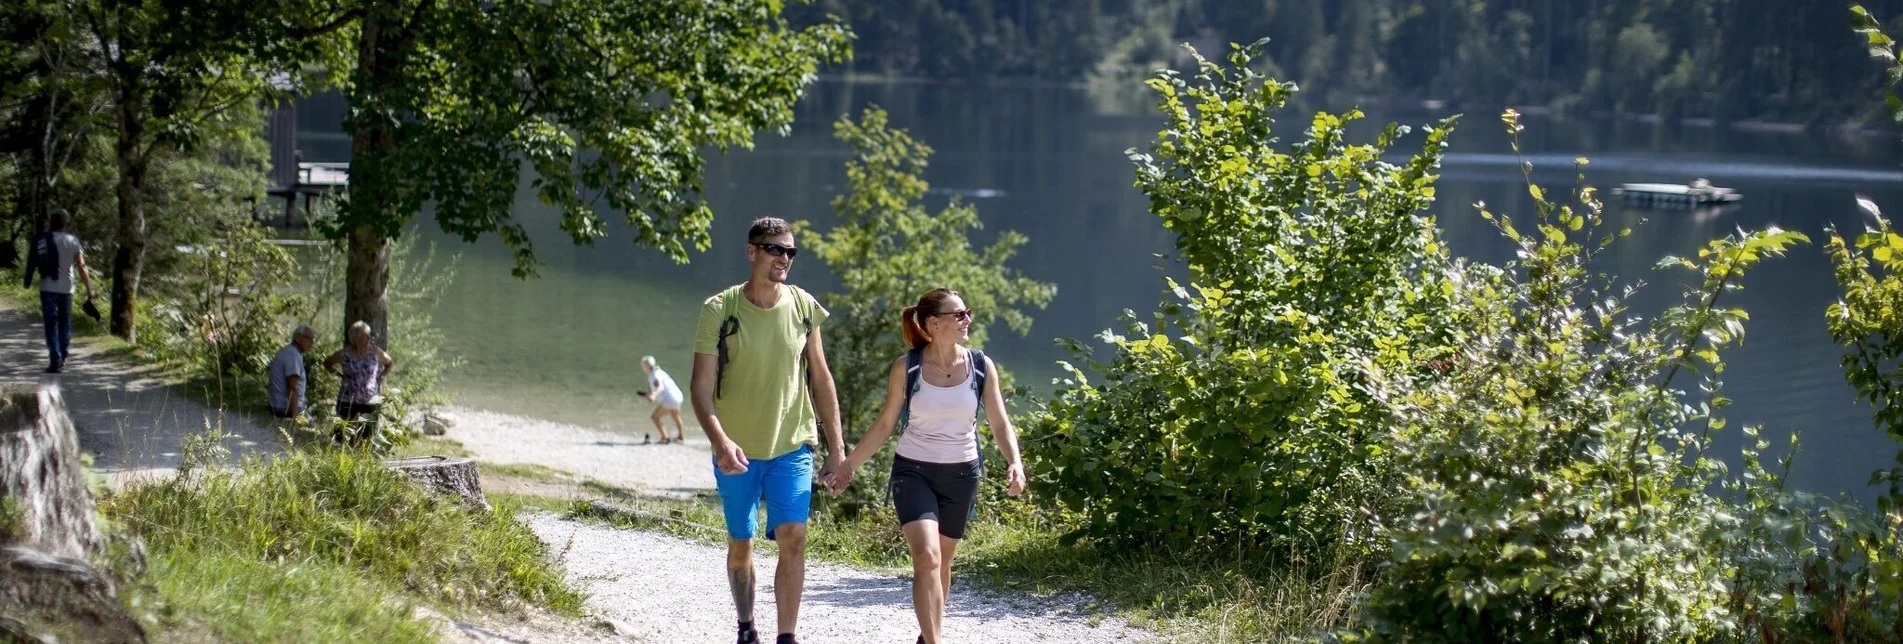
pixel 430 446
pixel 230 597
pixel 532 472
pixel 313 518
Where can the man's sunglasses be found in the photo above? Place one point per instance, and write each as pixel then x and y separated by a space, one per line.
pixel 960 315
pixel 777 250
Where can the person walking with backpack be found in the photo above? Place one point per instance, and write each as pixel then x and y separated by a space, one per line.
pixel 934 396
pixel 58 256
pixel 759 370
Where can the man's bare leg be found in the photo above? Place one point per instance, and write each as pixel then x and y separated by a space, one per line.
pixel 740 577
pixel 789 579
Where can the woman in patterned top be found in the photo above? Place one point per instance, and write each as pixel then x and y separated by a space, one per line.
pixel 363 368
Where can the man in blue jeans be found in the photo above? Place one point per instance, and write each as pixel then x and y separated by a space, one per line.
pixel 66 258
pixel 759 369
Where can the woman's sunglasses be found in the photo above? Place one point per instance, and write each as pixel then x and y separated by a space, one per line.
pixel 960 315
pixel 777 250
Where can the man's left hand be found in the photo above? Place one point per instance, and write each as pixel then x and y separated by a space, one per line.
pixel 834 464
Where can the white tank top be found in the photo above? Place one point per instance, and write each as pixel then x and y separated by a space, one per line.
pixel 944 423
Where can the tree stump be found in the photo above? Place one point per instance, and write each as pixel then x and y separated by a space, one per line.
pixel 49 534
pixel 452 475
pixel 40 476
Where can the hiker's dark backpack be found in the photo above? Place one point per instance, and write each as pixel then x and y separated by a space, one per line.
pixel 42 256
pixel 730 325
pixel 980 372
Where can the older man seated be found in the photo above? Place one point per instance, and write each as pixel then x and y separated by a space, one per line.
pixel 288 378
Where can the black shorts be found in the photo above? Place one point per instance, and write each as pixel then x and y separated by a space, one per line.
pixel 942 492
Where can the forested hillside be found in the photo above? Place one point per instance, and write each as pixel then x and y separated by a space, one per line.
pixel 1731 59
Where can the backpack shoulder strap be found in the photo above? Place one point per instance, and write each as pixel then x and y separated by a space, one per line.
pixel 914 361
pixel 980 371
pixel 803 303
pixel 729 325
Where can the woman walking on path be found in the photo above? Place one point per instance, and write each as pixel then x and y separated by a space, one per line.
pixel 363 367
pixel 933 396
pixel 666 397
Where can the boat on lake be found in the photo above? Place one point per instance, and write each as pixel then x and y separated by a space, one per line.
pixel 1697 194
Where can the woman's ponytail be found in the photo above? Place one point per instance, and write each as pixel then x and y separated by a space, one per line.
pixel 912 319
pixel 912 329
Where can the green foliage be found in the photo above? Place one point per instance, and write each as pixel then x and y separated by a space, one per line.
pixel 1869 319
pixel 610 102
pixel 1314 277
pixel 343 509
pixel 218 308
pixel 1555 484
pixel 888 249
pixel 418 280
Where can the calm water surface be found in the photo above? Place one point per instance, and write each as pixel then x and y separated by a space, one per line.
pixel 1051 164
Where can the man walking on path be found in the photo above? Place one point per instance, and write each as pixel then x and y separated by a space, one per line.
pixel 57 255
pixel 757 352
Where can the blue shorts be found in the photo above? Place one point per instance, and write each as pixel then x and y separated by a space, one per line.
pixel 785 482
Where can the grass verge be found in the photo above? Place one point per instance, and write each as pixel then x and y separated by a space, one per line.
pixel 328 546
pixel 223 596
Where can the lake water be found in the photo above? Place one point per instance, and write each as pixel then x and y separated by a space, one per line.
pixel 1050 163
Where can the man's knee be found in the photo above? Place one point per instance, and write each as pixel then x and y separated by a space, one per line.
pixel 791 538
pixel 739 553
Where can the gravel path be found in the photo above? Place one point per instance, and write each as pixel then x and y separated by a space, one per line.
pixel 672 590
pixel 676 470
pixel 126 415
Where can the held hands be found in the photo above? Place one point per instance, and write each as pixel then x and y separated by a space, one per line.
pixel 731 459
pixel 837 475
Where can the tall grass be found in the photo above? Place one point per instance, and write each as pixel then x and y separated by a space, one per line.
pixel 229 537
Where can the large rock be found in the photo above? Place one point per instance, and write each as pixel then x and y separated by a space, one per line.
pixel 437 424
pixel 50 589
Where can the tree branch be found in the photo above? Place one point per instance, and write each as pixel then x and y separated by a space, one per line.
pixel 325 29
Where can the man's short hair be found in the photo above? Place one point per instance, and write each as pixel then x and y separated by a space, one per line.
pixel 765 227
pixel 61 219
pixel 303 331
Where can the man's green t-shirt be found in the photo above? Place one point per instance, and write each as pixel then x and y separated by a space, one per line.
pixel 763 405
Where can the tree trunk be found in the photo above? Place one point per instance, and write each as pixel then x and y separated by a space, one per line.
pixel 366 278
pixel 49 589
pixel 128 262
pixel 372 143
pixel 451 475
pixel 40 477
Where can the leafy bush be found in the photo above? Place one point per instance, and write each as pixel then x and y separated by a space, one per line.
pixel 1313 276
pixel 887 250
pixel 1556 482
pixel 220 304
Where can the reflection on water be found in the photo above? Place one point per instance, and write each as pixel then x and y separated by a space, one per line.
pixel 1050 163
